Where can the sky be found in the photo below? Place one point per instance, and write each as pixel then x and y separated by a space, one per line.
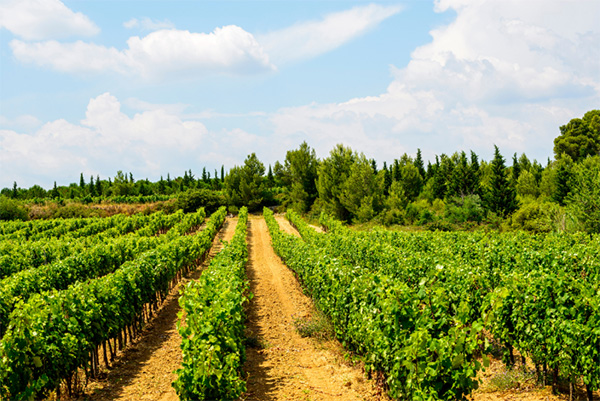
pixel 162 87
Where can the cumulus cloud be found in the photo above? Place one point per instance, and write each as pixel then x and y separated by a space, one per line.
pixel 312 38
pixel 229 49
pixel 502 72
pixel 149 144
pixel 44 19
pixel 148 24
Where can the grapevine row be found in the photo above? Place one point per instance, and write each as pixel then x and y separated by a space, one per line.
pixel 213 332
pixel 55 334
pixel 417 336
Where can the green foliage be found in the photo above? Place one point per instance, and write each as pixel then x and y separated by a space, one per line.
pixel 500 197
pixel 11 209
pixel 414 332
pixel 527 185
pixel 299 175
pixel 584 200
pixel 580 137
pixel 362 191
pixel 332 175
pixel 213 332
pixel 464 209
pixel 193 199
pixel 54 333
pixel 244 185
pixel 535 216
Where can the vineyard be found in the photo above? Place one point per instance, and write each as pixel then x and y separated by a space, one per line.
pixel 423 307
pixel 422 310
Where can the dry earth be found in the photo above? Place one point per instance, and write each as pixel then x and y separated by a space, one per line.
pixel 288 366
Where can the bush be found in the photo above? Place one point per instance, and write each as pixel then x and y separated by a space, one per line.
pixel 393 216
pixel 11 209
pixel 420 212
pixel 535 217
pixel 193 199
pixel 463 209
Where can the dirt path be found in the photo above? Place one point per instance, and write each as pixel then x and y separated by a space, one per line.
pixel 286 366
pixel 144 371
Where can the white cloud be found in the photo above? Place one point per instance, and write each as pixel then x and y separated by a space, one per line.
pixel 24 122
pixel 149 144
pixel 148 24
pixel 503 72
pixel 162 53
pixel 168 52
pixel 309 39
pixel 44 19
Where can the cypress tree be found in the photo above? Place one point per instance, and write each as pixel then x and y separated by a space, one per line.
pixel 15 191
pixel 92 186
pixel 374 166
pixel 55 193
pixel 222 173
pixel 501 197
pixel 387 179
pixel 98 185
pixel 81 181
pixel 516 169
pixel 419 163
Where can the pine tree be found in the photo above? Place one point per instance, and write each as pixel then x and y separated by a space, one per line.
pixel 501 197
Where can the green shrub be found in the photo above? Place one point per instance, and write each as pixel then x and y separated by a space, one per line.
pixel 463 209
pixel 535 217
pixel 193 199
pixel 11 209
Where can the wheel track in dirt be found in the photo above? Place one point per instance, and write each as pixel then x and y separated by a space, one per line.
pixel 288 366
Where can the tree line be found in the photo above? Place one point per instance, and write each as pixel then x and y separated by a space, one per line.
pixel 457 190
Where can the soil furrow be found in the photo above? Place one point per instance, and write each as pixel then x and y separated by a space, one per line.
pixel 283 365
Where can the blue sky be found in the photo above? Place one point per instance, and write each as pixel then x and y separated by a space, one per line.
pixel 157 87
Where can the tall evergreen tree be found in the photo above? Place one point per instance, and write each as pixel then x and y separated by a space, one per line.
pixel 516 170
pixel 222 173
pixel 81 182
pixel 419 164
pixel 92 186
pixel 563 180
pixel 475 174
pixel 501 196
pixel 15 190
pixel 387 179
pixel 55 194
pixel 98 185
